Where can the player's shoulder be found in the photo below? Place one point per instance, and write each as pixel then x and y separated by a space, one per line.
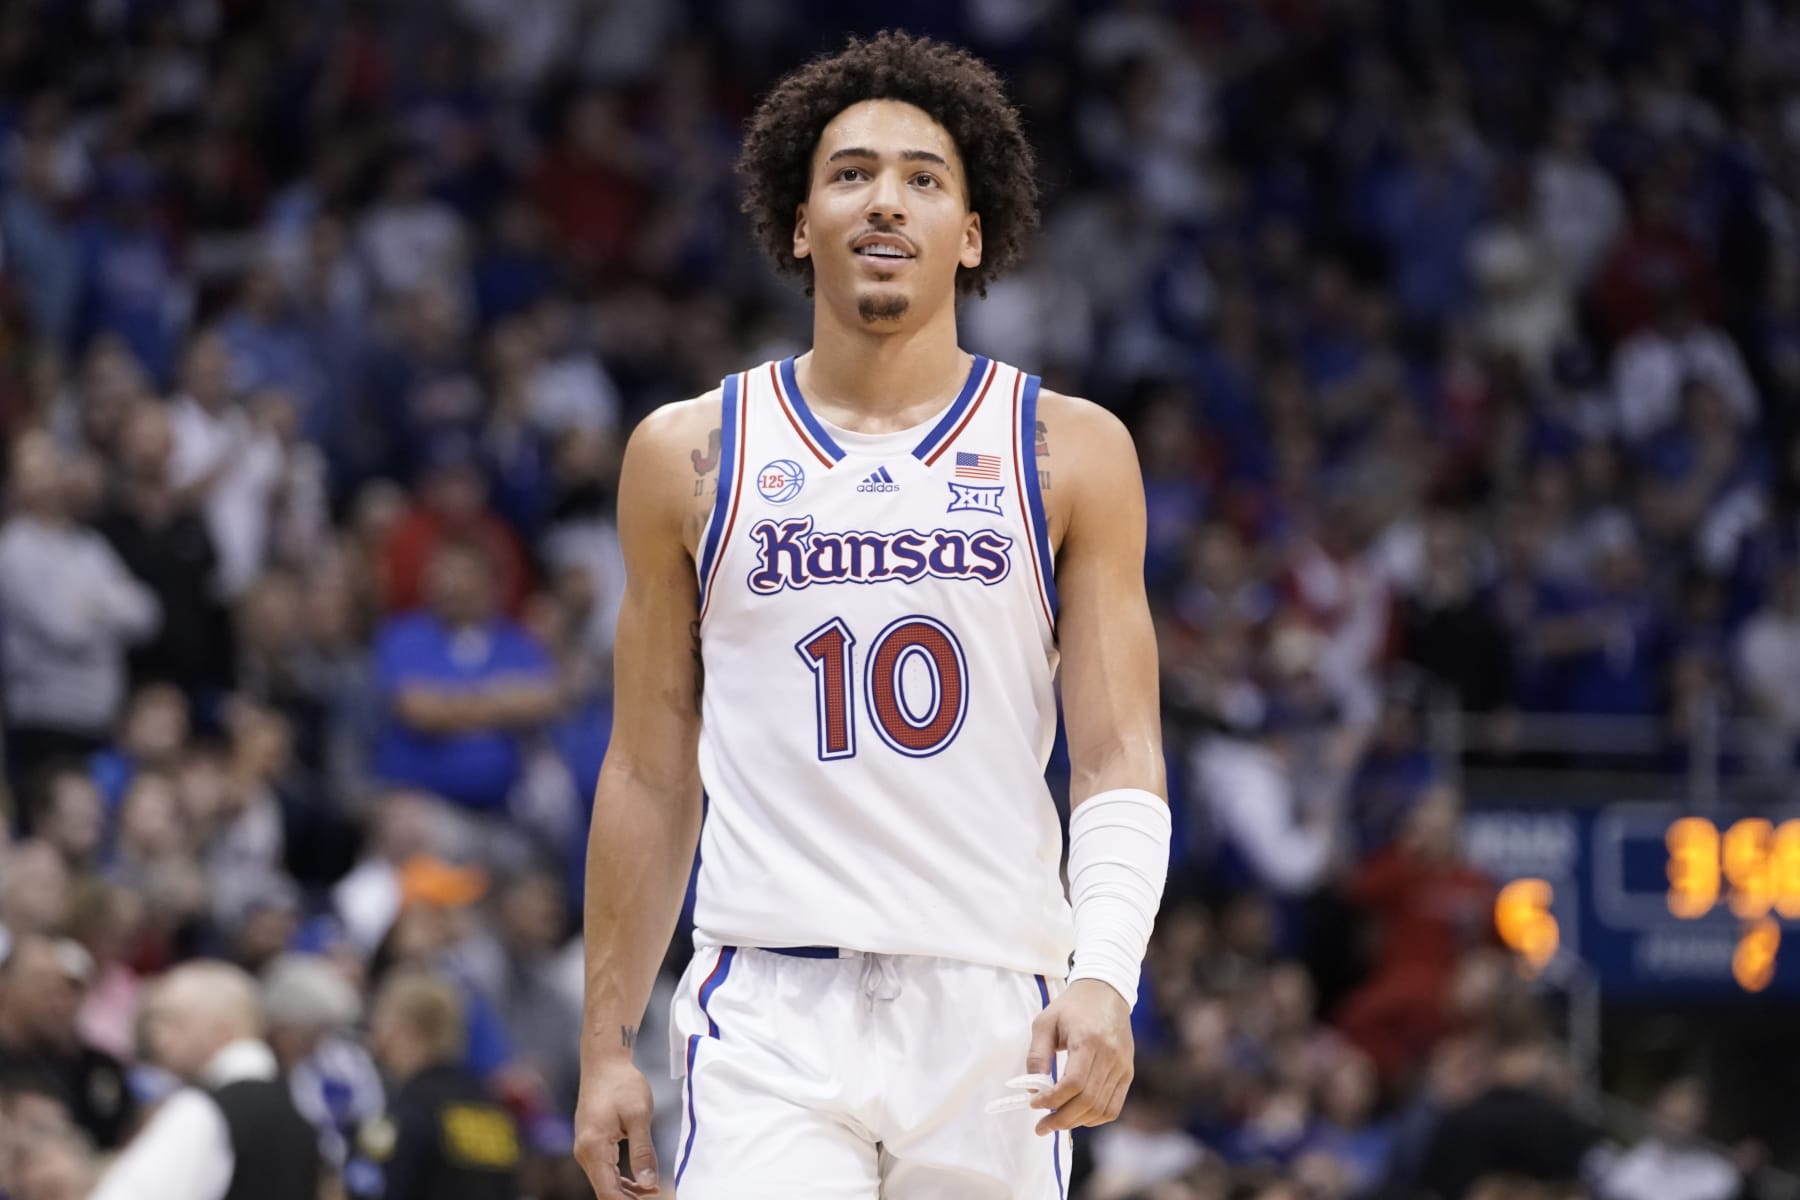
pixel 1079 429
pixel 674 426
pixel 1085 458
pixel 671 469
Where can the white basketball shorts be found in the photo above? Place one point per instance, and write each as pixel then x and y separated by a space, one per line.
pixel 837 1075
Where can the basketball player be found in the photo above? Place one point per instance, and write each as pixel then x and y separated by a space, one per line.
pixel 851 578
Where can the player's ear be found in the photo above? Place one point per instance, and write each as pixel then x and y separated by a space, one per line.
pixel 802 243
pixel 971 243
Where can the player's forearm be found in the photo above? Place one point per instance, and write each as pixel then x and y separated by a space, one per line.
pixel 640 851
pixel 1119 835
pixel 1128 760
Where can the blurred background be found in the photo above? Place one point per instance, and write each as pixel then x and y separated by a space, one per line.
pixel 1461 339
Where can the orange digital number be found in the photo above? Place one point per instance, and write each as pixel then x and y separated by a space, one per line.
pixel 1693 844
pixel 1748 867
pixel 1523 919
pixel 1753 965
pixel 1785 856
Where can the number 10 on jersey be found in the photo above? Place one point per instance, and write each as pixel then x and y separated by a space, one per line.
pixel 917 731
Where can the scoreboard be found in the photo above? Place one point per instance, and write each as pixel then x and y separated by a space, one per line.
pixel 1656 900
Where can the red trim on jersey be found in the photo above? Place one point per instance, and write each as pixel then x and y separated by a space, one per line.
pixel 737 490
pixel 1037 571
pixel 993 369
pixel 787 409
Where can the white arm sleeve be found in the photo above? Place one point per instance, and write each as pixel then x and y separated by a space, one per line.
pixel 1118 862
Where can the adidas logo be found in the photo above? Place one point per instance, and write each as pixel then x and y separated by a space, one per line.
pixel 880 481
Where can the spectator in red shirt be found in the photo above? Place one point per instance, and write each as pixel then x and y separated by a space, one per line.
pixel 586 184
pixel 451 505
pixel 1432 908
pixel 1655 258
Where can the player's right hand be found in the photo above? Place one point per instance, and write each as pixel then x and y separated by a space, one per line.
pixel 615 1106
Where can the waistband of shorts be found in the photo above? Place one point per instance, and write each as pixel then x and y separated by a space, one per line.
pixel 810 951
pixel 843 952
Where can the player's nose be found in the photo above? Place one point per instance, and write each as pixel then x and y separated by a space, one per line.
pixel 887 199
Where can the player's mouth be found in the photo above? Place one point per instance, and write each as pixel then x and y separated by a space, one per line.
pixel 883 249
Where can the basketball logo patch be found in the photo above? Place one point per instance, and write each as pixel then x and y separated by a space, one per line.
pixel 780 481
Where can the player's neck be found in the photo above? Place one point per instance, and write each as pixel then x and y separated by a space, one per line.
pixel 884 377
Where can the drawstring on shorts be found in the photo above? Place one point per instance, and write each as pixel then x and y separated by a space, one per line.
pixel 880 978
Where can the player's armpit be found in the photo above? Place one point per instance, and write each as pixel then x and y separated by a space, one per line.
pixel 1104 630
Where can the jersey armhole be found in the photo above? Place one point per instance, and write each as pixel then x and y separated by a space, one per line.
pixel 1034 499
pixel 732 397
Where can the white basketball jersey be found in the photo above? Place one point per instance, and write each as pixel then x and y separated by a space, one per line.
pixel 877 631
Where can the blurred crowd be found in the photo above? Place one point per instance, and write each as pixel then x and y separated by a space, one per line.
pixel 1461 343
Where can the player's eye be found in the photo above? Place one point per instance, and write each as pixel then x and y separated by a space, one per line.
pixel 846 174
pixel 924 179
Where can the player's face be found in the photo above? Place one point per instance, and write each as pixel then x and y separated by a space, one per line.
pixel 886 221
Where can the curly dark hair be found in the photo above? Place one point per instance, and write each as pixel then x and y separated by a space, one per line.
pixel 952 86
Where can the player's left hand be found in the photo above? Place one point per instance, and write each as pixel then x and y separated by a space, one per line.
pixel 1093 1023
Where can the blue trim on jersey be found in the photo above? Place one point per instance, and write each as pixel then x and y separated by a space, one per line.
pixel 806 417
pixel 955 412
pixel 720 970
pixel 1034 495
pixel 728 437
pixel 805 951
pixel 687 1151
pixel 1055 1138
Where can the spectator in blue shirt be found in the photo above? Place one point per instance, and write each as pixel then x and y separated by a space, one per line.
pixel 269 346
pixel 460 686
pixel 1607 640
pixel 43 245
pixel 132 285
pixel 1426 210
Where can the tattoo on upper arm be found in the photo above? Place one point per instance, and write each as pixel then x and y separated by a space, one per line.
pixel 699 665
pixel 707 460
pixel 627 1037
pixel 1043 451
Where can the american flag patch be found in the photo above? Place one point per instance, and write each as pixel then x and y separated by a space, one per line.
pixel 977 466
